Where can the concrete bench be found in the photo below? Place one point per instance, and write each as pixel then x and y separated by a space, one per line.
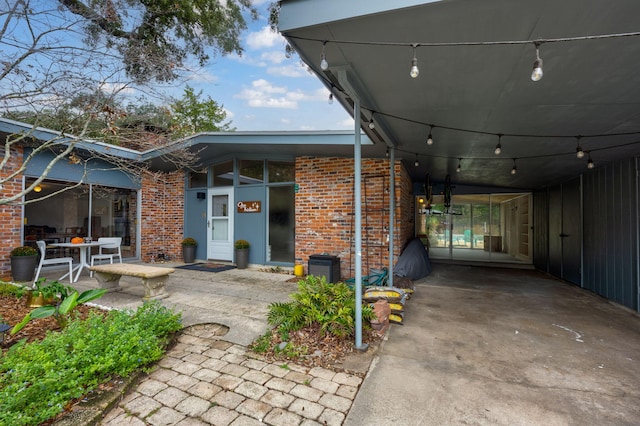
pixel 154 279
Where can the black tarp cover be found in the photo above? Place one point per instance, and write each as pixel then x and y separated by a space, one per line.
pixel 413 262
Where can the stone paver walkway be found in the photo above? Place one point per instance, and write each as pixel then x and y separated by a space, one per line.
pixel 204 380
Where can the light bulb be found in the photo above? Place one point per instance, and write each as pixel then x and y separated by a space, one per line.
pixel 414 68
pixel 330 98
pixel 514 170
pixel 589 163
pixel 498 149
pixel 458 169
pixel 323 59
pixel 386 154
pixel 416 162
pixel 579 152
pixel 372 124
pixel 430 139
pixel 537 72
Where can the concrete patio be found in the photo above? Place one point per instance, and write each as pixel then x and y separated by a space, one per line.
pixel 479 346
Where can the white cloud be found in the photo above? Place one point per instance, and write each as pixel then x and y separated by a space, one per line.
pixel 264 38
pixel 287 71
pixel 347 123
pixel 274 56
pixel 264 94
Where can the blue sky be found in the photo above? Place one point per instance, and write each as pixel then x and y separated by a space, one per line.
pixel 264 90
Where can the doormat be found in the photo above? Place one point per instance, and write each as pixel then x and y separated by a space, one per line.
pixel 208 267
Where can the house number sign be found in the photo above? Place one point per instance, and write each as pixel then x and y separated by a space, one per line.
pixel 249 206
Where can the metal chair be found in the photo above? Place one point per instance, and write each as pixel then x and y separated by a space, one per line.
pixel 42 246
pixel 108 243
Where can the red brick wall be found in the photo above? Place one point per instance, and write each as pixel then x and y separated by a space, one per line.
pixel 10 214
pixel 325 211
pixel 162 212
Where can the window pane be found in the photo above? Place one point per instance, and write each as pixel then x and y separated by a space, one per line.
pixel 281 171
pixel 198 179
pixel 251 172
pixel 223 174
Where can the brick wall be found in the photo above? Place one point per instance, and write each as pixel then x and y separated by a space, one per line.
pixel 162 212
pixel 10 214
pixel 325 211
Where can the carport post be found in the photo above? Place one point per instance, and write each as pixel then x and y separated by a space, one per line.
pixel 392 209
pixel 357 171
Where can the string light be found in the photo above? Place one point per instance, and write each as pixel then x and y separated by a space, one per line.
pixel 414 72
pixel 579 151
pixel 386 154
pixel 323 59
pixel 330 98
pixel 430 137
pixel 514 170
pixel 589 162
pixel 416 163
pixel 498 149
pixel 537 73
pixel 459 168
pixel 372 125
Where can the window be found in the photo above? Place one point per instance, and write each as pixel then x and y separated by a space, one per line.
pixel 223 174
pixel 281 171
pixel 250 172
pixel 198 179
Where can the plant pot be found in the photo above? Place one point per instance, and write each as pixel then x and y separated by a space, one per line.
pixel 35 299
pixel 242 258
pixel 23 267
pixel 189 254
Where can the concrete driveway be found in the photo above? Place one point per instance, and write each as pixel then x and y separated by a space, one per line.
pixel 485 346
pixel 480 346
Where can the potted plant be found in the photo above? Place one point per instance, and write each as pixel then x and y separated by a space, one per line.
pixel 24 261
pixel 189 250
pixel 242 253
pixel 44 293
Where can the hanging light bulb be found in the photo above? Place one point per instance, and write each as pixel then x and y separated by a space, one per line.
pixel 498 149
pixel 430 137
pixel 537 73
pixel 372 125
pixel 323 59
pixel 459 168
pixel 386 154
pixel 416 163
pixel 330 98
pixel 589 162
pixel 414 63
pixel 579 151
pixel 514 170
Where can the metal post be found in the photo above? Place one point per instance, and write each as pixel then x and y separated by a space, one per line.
pixel 357 171
pixel 392 210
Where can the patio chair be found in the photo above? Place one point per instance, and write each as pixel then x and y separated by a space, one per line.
pixel 42 246
pixel 108 243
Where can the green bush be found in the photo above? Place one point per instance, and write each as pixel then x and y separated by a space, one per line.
pixel 330 306
pixel 23 251
pixel 38 379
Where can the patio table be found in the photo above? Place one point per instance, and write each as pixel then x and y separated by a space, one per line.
pixel 84 249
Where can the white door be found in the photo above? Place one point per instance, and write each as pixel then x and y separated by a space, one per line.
pixel 220 224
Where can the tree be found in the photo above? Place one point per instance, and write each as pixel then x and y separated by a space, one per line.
pixel 191 114
pixel 69 64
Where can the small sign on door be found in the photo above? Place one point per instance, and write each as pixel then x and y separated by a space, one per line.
pixel 249 206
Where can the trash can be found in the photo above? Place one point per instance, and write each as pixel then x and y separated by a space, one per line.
pixel 325 265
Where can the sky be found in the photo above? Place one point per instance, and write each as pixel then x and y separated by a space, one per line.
pixel 264 90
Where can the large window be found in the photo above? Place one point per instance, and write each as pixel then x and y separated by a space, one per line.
pixel 84 211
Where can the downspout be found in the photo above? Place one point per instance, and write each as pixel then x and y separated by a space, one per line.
pixel 392 210
pixel 637 238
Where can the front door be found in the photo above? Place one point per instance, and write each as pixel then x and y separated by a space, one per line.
pixel 220 224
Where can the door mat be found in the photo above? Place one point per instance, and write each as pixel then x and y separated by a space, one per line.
pixel 208 267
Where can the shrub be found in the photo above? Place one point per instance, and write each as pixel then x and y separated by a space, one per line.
pixel 38 379
pixel 24 251
pixel 330 306
pixel 189 242
pixel 242 244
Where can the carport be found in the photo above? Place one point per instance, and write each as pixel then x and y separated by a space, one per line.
pixel 571 138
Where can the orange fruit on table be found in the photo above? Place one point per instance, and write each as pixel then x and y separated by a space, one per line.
pixel 77 240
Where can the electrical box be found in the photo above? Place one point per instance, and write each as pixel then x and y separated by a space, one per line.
pixel 325 265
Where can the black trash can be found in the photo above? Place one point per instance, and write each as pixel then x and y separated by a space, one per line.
pixel 325 265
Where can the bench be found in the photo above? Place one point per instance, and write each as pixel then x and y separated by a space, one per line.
pixel 154 279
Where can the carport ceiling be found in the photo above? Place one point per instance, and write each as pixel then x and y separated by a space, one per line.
pixel 590 87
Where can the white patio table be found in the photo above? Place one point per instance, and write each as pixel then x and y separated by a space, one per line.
pixel 85 255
